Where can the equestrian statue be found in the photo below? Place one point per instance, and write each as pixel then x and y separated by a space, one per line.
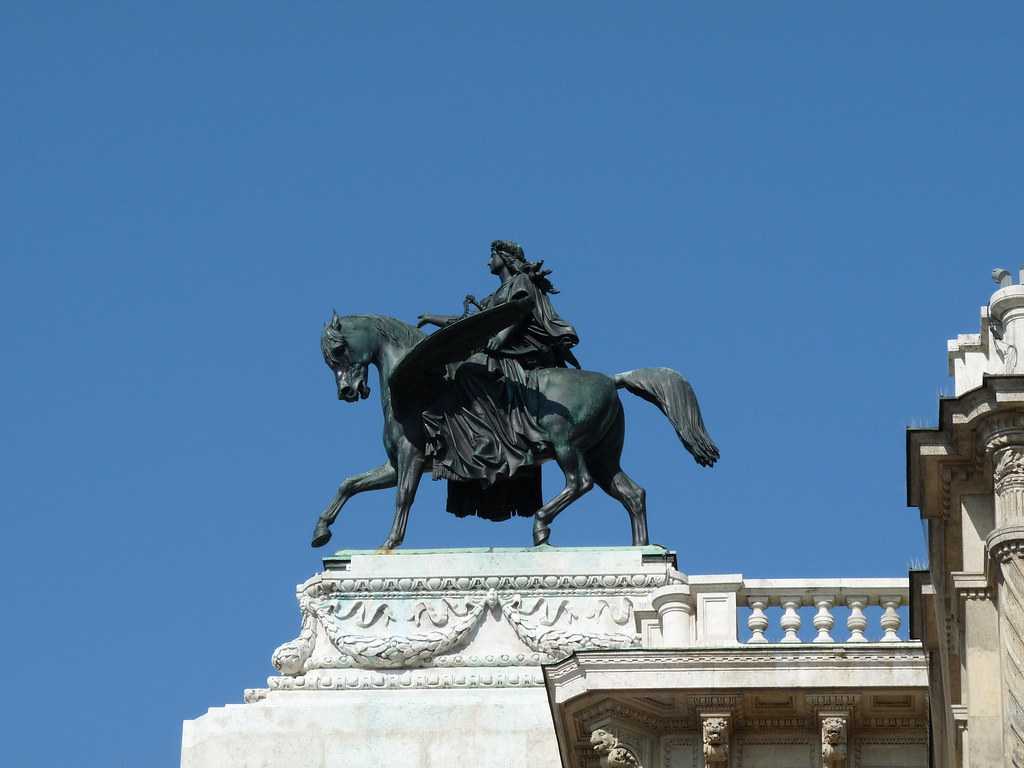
pixel 486 399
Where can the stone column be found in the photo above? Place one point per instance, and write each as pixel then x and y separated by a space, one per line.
pixel 675 614
pixel 1005 550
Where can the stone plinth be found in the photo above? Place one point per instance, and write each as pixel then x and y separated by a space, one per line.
pixel 431 658
pixel 548 657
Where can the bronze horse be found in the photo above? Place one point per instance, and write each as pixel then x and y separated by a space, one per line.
pixel 580 414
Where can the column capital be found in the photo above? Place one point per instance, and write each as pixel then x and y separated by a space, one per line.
pixel 1001 430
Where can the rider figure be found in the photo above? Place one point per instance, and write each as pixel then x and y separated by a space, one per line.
pixel 483 435
pixel 542 339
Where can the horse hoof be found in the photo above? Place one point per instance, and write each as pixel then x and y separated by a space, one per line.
pixel 541 534
pixel 321 535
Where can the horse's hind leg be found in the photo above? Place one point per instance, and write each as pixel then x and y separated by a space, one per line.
pixel 620 486
pixel 383 476
pixel 577 482
pixel 604 460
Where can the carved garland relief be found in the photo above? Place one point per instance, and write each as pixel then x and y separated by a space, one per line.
pixel 549 627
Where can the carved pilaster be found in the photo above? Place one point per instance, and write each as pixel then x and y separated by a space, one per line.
pixel 611 751
pixel 716 728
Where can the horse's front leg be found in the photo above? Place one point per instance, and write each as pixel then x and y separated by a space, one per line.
pixel 383 476
pixel 410 467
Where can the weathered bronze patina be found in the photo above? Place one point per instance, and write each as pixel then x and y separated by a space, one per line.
pixel 489 397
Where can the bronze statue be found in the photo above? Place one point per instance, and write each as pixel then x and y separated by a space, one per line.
pixel 486 399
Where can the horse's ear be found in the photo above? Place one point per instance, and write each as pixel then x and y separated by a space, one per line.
pixel 335 320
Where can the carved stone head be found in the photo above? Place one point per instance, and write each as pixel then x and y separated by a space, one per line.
pixel 833 731
pixel 603 742
pixel 715 731
pixel 612 753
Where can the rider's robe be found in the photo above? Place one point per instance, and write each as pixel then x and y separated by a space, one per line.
pixel 482 434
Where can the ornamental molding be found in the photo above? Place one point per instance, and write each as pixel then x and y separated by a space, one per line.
pixel 833 701
pixel 614 709
pixel 717 702
pixel 955 479
pixel 892 724
pixel 1006 544
pixel 971 586
pixel 322 585
pixel 909 654
pixel 1007 551
pixel 338 680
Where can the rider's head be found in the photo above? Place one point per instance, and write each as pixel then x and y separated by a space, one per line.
pixel 508 253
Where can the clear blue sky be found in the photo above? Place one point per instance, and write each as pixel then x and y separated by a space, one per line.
pixel 792 204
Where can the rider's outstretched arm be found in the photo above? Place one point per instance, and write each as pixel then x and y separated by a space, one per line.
pixel 438 320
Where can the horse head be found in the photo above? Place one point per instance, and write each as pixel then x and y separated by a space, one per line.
pixel 348 345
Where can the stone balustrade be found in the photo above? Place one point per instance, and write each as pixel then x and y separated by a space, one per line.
pixel 727 610
pixel 827 597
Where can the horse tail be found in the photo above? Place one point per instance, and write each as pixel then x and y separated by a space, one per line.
pixel 676 399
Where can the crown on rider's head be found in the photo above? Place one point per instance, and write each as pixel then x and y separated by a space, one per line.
pixel 508 248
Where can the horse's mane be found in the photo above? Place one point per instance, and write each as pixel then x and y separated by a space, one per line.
pixel 396 330
pixel 391 328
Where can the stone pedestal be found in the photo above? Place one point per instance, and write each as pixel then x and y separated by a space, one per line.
pixel 432 658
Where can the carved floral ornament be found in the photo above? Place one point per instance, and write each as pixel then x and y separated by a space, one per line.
pixel 1008 466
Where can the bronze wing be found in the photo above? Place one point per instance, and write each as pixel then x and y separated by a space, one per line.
pixel 417 376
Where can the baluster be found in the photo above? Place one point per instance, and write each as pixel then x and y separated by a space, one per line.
pixel 857 622
pixel 890 620
pixel 757 621
pixel 823 619
pixel 790 621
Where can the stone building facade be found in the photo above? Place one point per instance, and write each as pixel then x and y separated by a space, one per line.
pixel 966 476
